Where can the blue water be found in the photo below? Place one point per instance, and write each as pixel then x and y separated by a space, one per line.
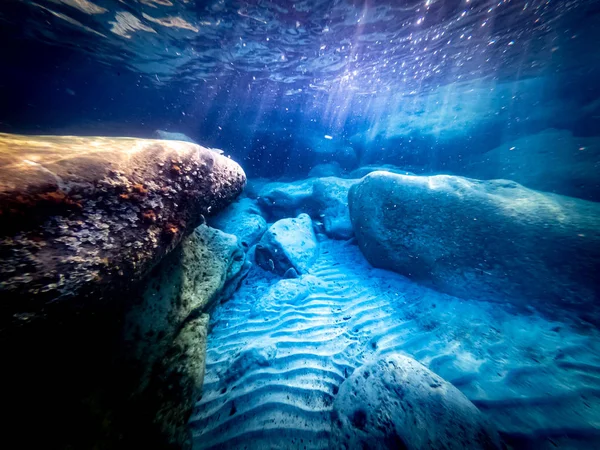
pixel 297 91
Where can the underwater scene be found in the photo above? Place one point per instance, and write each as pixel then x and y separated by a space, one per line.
pixel 312 224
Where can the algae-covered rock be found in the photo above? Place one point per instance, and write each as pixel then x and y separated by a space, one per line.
pixel 288 244
pixel 396 403
pixel 490 240
pixel 81 217
pixel 83 221
pixel 166 326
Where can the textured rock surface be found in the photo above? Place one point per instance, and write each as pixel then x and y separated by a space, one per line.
pixel 83 216
pixel 288 244
pixel 553 161
pixel 166 327
pixel 324 199
pixel 242 219
pixel 396 403
pixel 127 374
pixel 489 240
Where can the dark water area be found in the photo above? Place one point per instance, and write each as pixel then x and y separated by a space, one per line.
pixel 420 84
pixel 403 227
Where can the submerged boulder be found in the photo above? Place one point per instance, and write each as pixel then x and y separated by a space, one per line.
pixel 490 240
pixel 288 244
pixel 330 204
pixel 166 327
pixel 83 223
pixel 396 403
pixel 324 199
pixel 242 219
pixel 82 217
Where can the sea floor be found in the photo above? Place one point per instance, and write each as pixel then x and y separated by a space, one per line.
pixel 279 349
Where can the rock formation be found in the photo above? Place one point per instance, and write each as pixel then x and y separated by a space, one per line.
pixel 324 199
pixel 289 244
pixel 100 341
pixel 242 219
pixel 166 327
pixel 396 403
pixel 488 240
pixel 85 216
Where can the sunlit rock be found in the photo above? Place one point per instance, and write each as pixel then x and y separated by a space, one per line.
pixel 85 216
pixel 396 403
pixel 288 244
pixel 489 240
pixel 242 219
pixel 553 161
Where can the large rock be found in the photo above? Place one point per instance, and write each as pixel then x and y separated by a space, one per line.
pixel 553 161
pixel 83 222
pixel 166 328
pixel 324 199
pixel 289 244
pixel 242 219
pixel 489 240
pixel 82 217
pixel 396 403
pixel 127 374
pixel 329 202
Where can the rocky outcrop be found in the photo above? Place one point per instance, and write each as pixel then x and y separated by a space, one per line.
pixel 489 240
pixel 82 217
pixel 166 327
pixel 553 161
pixel 324 199
pixel 242 219
pixel 289 247
pixel 396 403
pixel 86 300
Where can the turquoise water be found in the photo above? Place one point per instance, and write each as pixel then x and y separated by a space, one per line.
pixel 423 180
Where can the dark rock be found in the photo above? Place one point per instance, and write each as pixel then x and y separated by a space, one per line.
pixel 82 217
pixel 488 240
pixel 396 403
pixel 118 338
pixel 166 326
